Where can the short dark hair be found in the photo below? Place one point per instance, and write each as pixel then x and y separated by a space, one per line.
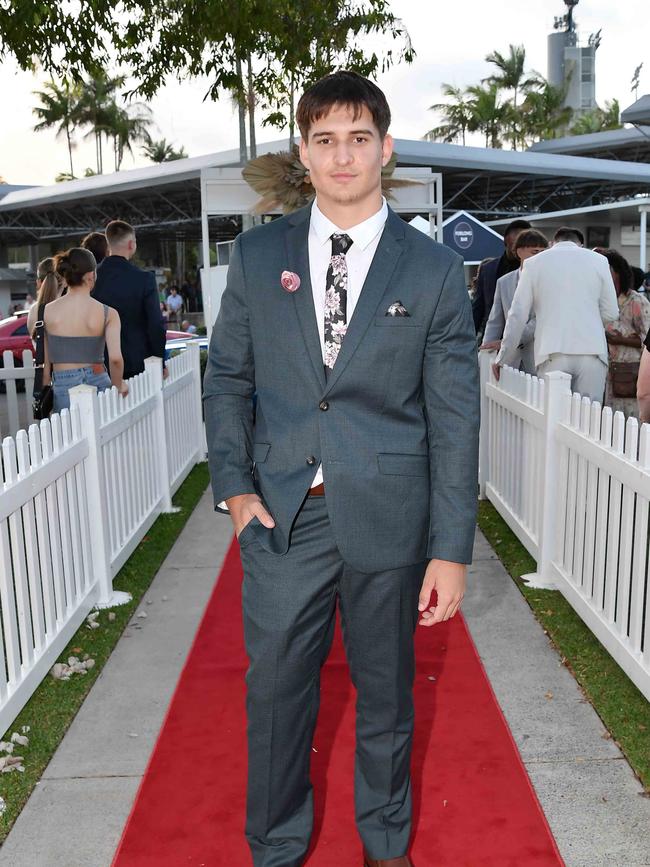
pixel 569 233
pixel 531 238
pixel 97 244
pixel 118 231
pixel 342 88
pixel 74 264
pixel 637 277
pixel 516 225
pixel 620 266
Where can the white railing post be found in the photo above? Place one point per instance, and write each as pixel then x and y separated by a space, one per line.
pixel 195 355
pixel 154 368
pixel 84 398
pixel 485 360
pixel 556 404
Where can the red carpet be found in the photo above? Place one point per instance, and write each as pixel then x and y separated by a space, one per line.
pixel 474 805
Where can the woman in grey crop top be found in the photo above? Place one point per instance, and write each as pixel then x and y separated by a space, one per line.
pixel 77 330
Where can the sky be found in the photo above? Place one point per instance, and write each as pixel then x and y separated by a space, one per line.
pixel 451 46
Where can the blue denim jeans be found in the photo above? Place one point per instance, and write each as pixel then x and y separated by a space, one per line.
pixel 64 380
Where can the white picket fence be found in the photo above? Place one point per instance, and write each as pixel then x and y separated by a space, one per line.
pixel 18 406
pixel 78 492
pixel 573 482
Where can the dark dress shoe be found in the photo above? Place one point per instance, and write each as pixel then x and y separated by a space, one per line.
pixel 404 861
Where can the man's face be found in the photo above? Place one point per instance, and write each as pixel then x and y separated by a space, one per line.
pixel 526 252
pixel 345 156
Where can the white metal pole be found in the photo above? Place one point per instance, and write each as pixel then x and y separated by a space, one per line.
pixel 206 287
pixel 558 392
pixel 154 368
pixel 643 240
pixel 83 399
pixel 485 363
pixel 195 354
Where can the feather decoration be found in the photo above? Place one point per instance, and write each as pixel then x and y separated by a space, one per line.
pixel 283 182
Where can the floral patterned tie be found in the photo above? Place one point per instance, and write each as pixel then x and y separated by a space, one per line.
pixel 336 299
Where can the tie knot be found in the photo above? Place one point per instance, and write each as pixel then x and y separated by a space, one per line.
pixel 340 244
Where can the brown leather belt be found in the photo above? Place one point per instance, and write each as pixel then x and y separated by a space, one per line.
pixel 317 491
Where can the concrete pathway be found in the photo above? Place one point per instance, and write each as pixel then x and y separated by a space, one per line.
pixel 76 814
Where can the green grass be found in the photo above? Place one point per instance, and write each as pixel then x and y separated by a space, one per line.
pixel 620 705
pixel 54 705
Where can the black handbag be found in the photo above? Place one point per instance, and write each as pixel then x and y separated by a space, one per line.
pixel 43 397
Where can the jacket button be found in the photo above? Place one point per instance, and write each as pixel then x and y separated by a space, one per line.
pixel 324 405
pixel 311 460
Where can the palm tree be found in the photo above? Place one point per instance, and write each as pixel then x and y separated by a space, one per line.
pixel 59 108
pixel 599 119
pixel 97 108
pixel 512 73
pixel 488 116
pixel 512 76
pixel 128 126
pixel 456 116
pixel 612 114
pixel 162 151
pixel 543 113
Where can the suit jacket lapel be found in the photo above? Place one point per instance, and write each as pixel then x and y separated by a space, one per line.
pixel 297 241
pixel 381 270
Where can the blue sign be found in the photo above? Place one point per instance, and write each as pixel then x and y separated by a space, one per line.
pixel 469 237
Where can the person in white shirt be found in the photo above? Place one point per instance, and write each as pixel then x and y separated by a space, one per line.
pixel 174 304
pixel 529 243
pixel 571 292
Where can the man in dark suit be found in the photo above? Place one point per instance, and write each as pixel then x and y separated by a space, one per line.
pixel 132 292
pixel 490 272
pixel 355 482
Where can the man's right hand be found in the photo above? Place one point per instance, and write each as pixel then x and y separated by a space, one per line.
pixel 243 508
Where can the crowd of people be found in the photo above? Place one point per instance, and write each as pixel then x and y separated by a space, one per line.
pixel 99 315
pixel 555 305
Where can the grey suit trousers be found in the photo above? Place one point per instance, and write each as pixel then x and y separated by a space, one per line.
pixel 289 604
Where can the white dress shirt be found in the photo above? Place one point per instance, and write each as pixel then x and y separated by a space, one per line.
pixel 365 237
pixel 571 292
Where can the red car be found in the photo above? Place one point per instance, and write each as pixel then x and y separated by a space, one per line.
pixel 14 337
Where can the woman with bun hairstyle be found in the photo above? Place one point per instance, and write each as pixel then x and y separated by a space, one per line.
pixel 77 329
pixel 48 288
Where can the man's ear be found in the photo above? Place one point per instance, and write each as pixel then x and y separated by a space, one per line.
pixel 387 149
pixel 304 156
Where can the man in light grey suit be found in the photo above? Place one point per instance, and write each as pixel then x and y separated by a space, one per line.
pixel 354 483
pixel 529 243
pixel 571 293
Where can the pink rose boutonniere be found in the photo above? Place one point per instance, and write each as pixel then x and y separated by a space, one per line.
pixel 290 281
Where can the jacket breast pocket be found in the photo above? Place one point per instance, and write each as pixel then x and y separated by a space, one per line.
pixel 397 322
pixel 403 465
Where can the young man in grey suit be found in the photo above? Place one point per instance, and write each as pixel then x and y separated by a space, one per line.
pixel 355 481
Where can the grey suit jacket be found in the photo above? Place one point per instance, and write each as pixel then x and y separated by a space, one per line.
pixel 496 324
pixel 395 424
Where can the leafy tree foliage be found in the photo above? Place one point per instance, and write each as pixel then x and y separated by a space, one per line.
pixel 262 51
pixel 495 107
pixel 162 151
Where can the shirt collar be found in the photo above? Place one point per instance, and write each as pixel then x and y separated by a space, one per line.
pixel 362 234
